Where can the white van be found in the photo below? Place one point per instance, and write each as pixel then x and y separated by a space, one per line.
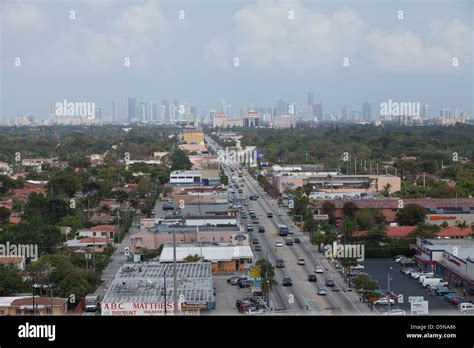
pixel 425 275
pixel 434 282
pixel 466 307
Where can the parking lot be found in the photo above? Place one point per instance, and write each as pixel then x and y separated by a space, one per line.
pixel 379 269
pixel 227 294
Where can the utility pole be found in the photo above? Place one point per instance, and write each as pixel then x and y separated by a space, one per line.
pixel 175 287
pixel 164 280
pixel 389 294
pixel 33 290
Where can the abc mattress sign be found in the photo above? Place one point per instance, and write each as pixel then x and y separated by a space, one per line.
pixel 137 308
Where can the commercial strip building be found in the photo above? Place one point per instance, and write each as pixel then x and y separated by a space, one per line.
pixel 337 183
pixel 222 258
pixel 193 136
pixel 450 232
pixel 453 260
pixel 147 289
pixel 461 207
pixel 23 305
pixel 152 239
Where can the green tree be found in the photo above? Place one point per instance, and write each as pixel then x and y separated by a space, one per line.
pixel 329 209
pixel 11 281
pixel 377 233
pixel 410 215
pixel 349 209
pixel 267 272
pixel 180 160
pixel 4 216
pixel 427 231
pixel 348 227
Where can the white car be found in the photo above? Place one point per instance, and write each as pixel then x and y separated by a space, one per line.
pixel 358 268
pixel 253 311
pixel 466 307
pixel 384 301
pixel 319 269
pixel 301 261
pixel 279 243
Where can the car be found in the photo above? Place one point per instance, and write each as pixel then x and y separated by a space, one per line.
pixel 214 291
pixel 357 267
pixel 258 248
pixel 384 301
pixel 398 258
pixel 319 269
pixel 254 241
pixel 241 185
pixel 443 290
pixel 330 283
pixel 250 228
pixel 244 216
pixel 289 241
pixel 280 263
pixel 321 292
pixel 244 283
pixel 269 215
pixel 241 191
pixel 290 231
pixel 296 240
pixel 261 229
pixel 406 271
pixel 246 203
pixel 455 300
pixel 463 306
pixel 233 279
pixel 312 278
pixel 287 281
pixel 278 243
pixel 301 261
pixel 447 297
pixel 255 221
pixel 236 281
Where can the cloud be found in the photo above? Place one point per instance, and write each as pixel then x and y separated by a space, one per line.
pixel 265 39
pixel 19 17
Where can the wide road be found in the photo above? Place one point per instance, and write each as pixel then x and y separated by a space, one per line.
pixel 302 295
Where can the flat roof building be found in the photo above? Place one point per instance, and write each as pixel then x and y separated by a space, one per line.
pixel 147 289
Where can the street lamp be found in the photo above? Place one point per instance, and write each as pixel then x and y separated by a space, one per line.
pixel 388 285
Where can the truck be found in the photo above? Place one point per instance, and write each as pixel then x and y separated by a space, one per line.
pixel 91 303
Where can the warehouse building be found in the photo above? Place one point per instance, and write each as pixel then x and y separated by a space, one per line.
pixel 147 289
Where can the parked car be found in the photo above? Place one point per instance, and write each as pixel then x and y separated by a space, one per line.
pixel 330 283
pixel 357 268
pixel 301 261
pixel 384 301
pixel 444 290
pixel 312 278
pixel 463 306
pixel 319 269
pixel 255 310
pixel 447 297
pixel 395 311
pixel 398 258
pixel 321 292
pixel 455 300
pixel 244 283
pixel 233 280
pixel 406 271
pixel 287 281
pixel 278 243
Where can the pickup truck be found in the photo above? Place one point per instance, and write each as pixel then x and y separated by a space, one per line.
pixel 434 282
pixel 91 303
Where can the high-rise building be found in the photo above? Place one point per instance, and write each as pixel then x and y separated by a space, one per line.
pixel 345 113
pixel 143 112
pixel 282 107
pixel 318 111
pixel 367 110
pixel 132 109
pixel 425 111
pixel 308 113
pixel 116 111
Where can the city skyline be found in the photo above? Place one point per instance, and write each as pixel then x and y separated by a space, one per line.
pixel 349 53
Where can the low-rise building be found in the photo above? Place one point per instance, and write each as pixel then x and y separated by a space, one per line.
pixel 185 177
pixel 147 289
pixel 223 258
pixel 23 305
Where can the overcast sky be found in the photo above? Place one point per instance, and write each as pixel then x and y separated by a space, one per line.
pixel 192 59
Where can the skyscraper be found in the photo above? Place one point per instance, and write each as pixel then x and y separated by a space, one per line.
pixel 132 109
pixel 116 111
pixel 318 111
pixel 367 110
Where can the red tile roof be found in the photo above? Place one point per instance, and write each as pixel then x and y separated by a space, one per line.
pixel 103 228
pixel 393 203
pixel 403 231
